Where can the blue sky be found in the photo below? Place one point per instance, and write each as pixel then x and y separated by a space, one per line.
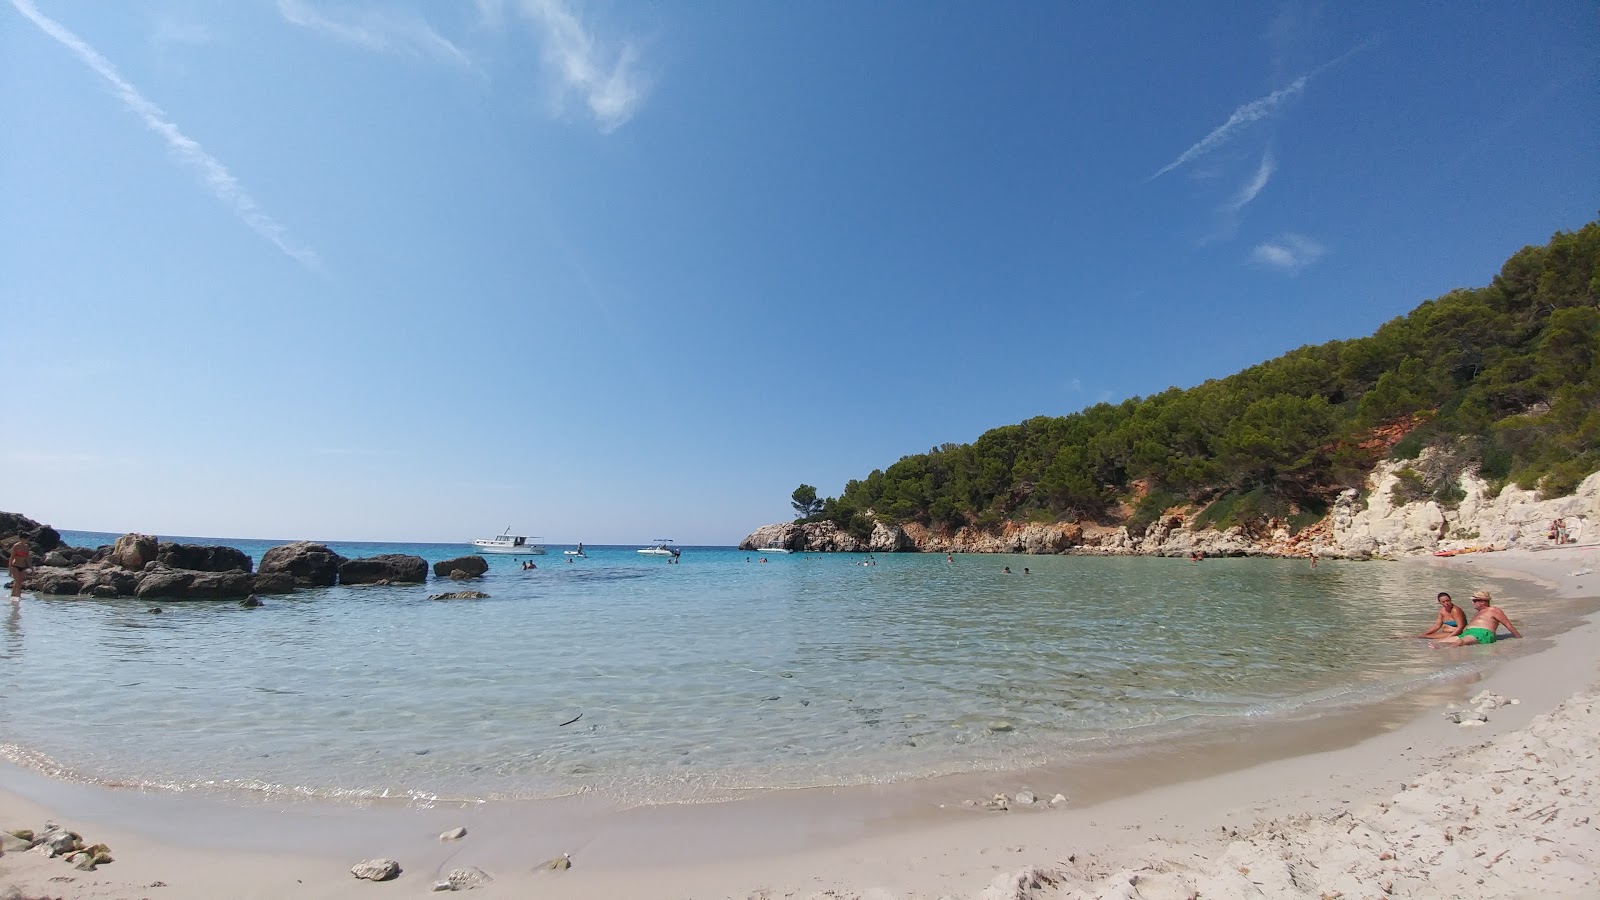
pixel 613 271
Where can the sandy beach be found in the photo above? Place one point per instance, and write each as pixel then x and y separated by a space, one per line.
pixel 1396 800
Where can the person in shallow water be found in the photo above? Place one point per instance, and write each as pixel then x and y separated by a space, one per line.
pixel 1450 621
pixel 1485 618
pixel 18 562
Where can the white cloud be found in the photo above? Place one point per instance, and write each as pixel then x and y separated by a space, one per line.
pixel 1290 253
pixel 221 183
pixel 1254 186
pixel 1257 109
pixel 378 30
pixel 608 82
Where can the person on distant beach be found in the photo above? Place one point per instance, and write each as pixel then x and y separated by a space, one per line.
pixel 1314 560
pixel 1481 630
pixel 18 563
pixel 1450 621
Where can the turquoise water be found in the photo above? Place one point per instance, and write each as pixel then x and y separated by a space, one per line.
pixel 694 680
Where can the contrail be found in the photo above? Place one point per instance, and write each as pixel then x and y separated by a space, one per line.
pixel 216 176
pixel 1256 183
pixel 1256 109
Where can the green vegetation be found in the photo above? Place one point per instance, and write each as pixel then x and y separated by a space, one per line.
pixel 1503 378
pixel 805 502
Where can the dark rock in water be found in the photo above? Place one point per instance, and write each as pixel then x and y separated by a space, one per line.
pixel 202 557
pixel 155 610
pixel 376 869
pixel 473 566
pixel 178 584
pixel 40 538
pixel 134 551
pixel 51 580
pixel 251 602
pixel 390 568
pixel 274 583
pixel 310 564
pixel 106 581
pixel 460 595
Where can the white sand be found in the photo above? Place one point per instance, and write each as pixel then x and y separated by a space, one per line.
pixel 1412 811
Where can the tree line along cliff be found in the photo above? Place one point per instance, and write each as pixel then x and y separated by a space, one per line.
pixel 1503 380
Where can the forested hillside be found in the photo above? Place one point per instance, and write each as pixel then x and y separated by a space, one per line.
pixel 1503 378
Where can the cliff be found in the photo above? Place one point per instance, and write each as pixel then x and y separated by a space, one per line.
pixel 1361 525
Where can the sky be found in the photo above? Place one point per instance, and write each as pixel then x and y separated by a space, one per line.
pixel 609 272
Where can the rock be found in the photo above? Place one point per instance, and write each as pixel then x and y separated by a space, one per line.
pixel 274 583
pixel 55 558
pixel 15 843
pixel 389 568
pixel 468 877
pixel 251 602
pixel 182 584
pixel 1025 798
pixel 310 564
pixel 469 566
pixel 51 580
pixel 133 551
pixel 58 841
pixel 202 557
pixel 564 861
pixel 376 869
pixel 1058 799
pixel 437 886
pixel 14 526
pixel 154 610
pixel 1000 802
pixel 460 595
pixel 1001 727
pixel 454 834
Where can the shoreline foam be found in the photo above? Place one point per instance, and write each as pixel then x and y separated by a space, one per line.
pixel 796 843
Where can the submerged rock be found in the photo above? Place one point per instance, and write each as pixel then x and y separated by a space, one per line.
pixel 460 595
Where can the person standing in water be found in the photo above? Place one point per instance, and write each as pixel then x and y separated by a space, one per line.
pixel 18 563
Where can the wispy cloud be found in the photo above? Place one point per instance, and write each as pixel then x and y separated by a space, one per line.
pixel 1255 110
pixel 378 30
pixel 1256 182
pixel 609 83
pixel 213 173
pixel 169 33
pixel 1289 253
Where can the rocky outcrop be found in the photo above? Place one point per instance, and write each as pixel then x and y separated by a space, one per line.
pixel 468 566
pixel 1361 525
pixel 309 564
pixel 202 557
pixel 386 568
pixel 41 538
pixel 1379 526
pixel 160 581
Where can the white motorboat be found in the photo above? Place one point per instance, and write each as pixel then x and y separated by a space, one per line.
pixel 507 542
pixel 773 550
pixel 660 549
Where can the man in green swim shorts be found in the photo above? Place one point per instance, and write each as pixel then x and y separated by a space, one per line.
pixel 1486 617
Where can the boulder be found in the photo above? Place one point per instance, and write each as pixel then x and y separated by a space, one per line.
pixel 53 580
pixel 274 583
pixel 310 564
pixel 183 584
pixel 40 538
pixel 460 595
pixel 134 551
pixel 387 568
pixel 202 557
pixel 106 580
pixel 470 566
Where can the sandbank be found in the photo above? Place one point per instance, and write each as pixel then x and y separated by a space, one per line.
pixel 1392 798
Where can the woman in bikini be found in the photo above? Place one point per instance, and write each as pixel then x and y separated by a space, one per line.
pixel 18 563
pixel 1450 622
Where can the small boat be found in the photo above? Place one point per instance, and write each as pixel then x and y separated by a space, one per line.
pixel 577 552
pixel 506 542
pixel 660 549
pixel 773 550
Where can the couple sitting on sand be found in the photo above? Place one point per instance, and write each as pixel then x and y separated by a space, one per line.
pixel 1453 630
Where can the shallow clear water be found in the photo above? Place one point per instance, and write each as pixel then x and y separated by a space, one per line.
pixel 716 674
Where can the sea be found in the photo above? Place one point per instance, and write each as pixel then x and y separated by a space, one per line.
pixel 729 671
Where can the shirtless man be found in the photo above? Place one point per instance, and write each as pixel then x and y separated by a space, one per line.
pixel 1485 618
